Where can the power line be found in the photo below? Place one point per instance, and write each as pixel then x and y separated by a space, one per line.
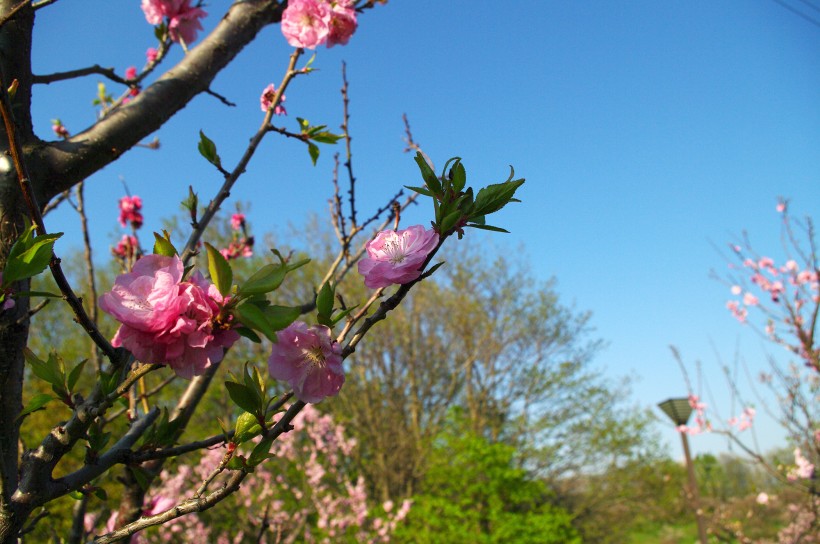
pixel 799 13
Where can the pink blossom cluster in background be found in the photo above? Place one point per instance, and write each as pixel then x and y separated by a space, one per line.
pixel 126 248
pixel 701 423
pixel 310 23
pixel 266 100
pixel 802 469
pixel 183 19
pixel 167 320
pixel 131 211
pixel 396 257
pixel 304 495
pixel 309 360
pixel 745 420
pixel 241 245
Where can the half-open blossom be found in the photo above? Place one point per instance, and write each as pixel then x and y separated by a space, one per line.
pixel 166 320
pixel 151 55
pixel 183 19
pixel 266 100
pixel 396 256
pixel 306 23
pixel 59 129
pixel 309 360
pixel 130 211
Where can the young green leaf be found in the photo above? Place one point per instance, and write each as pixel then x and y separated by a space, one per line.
pixel 37 402
pixel 207 148
pixel 220 270
pixel 313 151
pixel 252 316
pixel 324 300
pixel 427 173
pixel 243 397
pixel 163 245
pixel 263 281
pixel 280 317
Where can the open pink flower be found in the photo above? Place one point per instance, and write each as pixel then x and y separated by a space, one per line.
pixel 166 320
pixel 266 100
pixel 309 360
pixel 396 256
pixel 183 20
pixel 306 23
pixel 130 211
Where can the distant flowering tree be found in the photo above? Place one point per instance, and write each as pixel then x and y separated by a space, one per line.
pixel 186 307
pixel 782 303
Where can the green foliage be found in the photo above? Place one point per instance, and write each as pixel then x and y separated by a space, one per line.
pixel 28 256
pixel 473 493
pixel 456 207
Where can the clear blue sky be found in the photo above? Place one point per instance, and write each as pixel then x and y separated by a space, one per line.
pixel 647 132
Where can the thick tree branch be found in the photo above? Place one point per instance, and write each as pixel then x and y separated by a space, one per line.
pixel 62 164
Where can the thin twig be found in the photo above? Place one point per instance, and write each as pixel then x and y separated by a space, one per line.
pixel 220 98
pixel 80 72
pixel 34 211
pixel 89 269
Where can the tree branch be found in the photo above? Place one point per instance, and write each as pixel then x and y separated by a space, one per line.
pixel 62 164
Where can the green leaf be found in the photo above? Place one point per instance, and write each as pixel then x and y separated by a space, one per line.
pixel 298 264
pixel 324 300
pixel 419 190
pixel 495 196
pixel 220 270
pixel 266 279
pixel 280 317
pixel 450 221
pixel 458 175
pixel 252 316
pixel 37 402
pixel 29 255
pixel 427 173
pixel 207 148
pixel 261 452
pixel 100 493
pixel 74 375
pixel 325 137
pixel 488 227
pixel 247 427
pixel 76 495
pixel 341 315
pixel 256 382
pixel 48 371
pixel 163 245
pixel 313 151
pixel 243 397
pixel 141 476
pixel 236 463
pixel 249 334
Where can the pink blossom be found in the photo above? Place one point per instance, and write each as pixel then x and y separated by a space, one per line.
pixel 158 505
pixel 126 247
pixel 151 55
pixel 762 498
pixel 750 300
pixel 396 256
pixel 237 220
pixel 265 101
pixel 781 206
pixel 166 320
pixel 766 262
pixel 131 72
pixel 803 469
pixel 183 20
pixel 309 360
pixel 306 23
pixel 130 211
pixel 342 23
pixel 736 290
